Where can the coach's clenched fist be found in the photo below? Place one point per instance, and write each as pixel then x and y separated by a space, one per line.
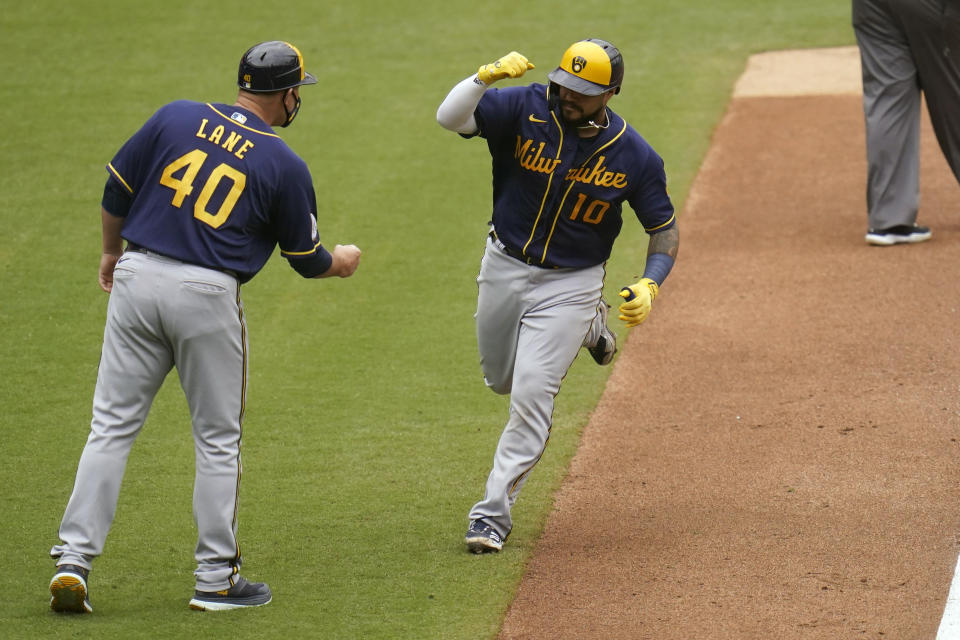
pixel 346 257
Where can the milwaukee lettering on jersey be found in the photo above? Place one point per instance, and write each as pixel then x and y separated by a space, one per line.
pixel 598 175
pixel 560 199
pixel 531 159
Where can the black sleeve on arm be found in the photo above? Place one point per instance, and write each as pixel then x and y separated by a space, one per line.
pixel 311 266
pixel 116 199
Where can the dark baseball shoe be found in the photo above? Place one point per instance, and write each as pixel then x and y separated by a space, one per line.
pixel 68 590
pixel 606 346
pixel 242 594
pixel 900 234
pixel 481 538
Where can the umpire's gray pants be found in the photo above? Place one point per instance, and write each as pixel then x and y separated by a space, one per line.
pixel 906 46
pixel 164 313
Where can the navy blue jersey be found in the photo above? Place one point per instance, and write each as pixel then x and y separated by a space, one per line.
pixel 213 185
pixel 557 197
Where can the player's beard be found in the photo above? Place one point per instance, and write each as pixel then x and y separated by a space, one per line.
pixel 575 117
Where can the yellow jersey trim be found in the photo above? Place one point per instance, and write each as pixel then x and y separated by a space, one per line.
pixel 116 174
pixel 240 124
pixel 546 191
pixel 556 217
pixel 300 253
pixel 661 226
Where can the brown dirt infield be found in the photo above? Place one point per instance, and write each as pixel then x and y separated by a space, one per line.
pixel 775 454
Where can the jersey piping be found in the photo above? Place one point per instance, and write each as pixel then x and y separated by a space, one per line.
pixel 240 124
pixel 300 253
pixel 556 217
pixel 546 192
pixel 116 174
pixel 661 226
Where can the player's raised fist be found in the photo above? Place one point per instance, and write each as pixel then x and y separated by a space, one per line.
pixel 512 65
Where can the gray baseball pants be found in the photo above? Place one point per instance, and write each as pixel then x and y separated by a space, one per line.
pixel 906 47
pixel 162 314
pixel 531 323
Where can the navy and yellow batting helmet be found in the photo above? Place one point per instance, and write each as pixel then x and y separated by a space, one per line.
pixel 272 66
pixel 590 67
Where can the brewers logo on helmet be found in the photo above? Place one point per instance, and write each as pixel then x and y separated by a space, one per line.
pixel 590 67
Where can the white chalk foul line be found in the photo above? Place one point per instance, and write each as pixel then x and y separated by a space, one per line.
pixel 950 622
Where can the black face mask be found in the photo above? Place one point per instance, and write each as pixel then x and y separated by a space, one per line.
pixel 290 114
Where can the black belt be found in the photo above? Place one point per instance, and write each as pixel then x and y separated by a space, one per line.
pixel 518 255
pixel 138 249
pixel 135 248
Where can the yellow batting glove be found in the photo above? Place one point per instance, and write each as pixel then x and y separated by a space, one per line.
pixel 638 299
pixel 512 65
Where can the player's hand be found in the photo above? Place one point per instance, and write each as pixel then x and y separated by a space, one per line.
pixel 512 65
pixel 107 263
pixel 638 299
pixel 346 258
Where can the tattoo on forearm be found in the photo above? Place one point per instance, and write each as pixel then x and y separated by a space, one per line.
pixel 665 242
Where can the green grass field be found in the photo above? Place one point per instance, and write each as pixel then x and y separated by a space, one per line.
pixel 369 431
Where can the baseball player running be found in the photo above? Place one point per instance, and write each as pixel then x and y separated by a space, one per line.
pixel 202 194
pixel 563 165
